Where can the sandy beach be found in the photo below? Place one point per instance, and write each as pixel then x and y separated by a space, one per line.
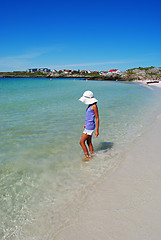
pixel 126 205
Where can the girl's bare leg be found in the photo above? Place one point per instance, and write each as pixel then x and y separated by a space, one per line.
pixel 82 143
pixel 89 142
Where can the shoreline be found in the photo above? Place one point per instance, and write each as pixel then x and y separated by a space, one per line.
pixel 150 73
pixel 127 203
pixel 90 78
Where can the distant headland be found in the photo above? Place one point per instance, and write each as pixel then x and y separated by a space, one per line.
pixel 147 73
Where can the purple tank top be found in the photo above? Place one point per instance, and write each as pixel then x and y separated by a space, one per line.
pixel 90 119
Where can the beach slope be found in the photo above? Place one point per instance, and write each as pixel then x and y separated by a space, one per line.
pixel 127 204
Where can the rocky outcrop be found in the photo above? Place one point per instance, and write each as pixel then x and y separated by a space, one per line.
pixel 143 73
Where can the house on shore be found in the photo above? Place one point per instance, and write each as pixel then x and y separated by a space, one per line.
pixel 32 70
pixel 114 71
pixel 103 72
pixel 43 70
pixel 67 71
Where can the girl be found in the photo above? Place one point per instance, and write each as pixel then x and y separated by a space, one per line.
pixel 91 114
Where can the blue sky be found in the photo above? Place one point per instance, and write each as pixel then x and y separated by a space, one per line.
pixel 95 35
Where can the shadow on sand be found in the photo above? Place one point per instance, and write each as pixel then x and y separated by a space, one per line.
pixel 104 146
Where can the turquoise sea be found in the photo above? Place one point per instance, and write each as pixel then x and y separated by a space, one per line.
pixel 43 181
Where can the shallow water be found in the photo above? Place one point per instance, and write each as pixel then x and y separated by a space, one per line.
pixel 43 181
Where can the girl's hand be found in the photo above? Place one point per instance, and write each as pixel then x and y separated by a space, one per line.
pixel 96 133
pixel 84 126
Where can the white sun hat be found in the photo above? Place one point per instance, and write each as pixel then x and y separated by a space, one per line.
pixel 88 98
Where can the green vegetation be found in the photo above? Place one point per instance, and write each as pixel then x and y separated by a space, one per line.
pixel 90 74
pixel 129 71
pixel 141 68
pixel 151 74
pixel 22 74
pixel 146 68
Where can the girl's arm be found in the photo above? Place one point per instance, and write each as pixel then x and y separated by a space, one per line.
pixel 95 109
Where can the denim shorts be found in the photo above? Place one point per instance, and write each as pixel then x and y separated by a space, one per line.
pixel 88 132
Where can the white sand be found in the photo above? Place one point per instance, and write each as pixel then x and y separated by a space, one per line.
pixel 127 204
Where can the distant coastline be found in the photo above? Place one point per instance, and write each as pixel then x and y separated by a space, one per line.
pixel 128 75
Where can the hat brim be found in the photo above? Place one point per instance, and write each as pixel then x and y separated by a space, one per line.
pixel 88 100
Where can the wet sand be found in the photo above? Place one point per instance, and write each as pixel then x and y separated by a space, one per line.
pixel 126 205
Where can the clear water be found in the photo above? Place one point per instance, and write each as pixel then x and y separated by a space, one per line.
pixel 43 181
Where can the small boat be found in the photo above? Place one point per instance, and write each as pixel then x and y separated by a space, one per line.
pixel 155 81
